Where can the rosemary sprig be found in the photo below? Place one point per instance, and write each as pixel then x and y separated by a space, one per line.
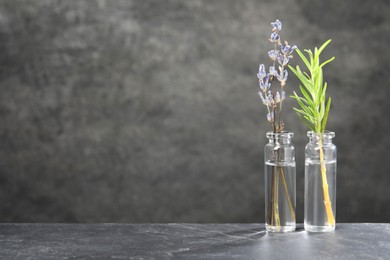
pixel 314 108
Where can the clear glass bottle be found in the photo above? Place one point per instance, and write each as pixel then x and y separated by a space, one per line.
pixel 280 187
pixel 320 182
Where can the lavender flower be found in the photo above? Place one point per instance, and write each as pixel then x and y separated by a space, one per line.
pixel 274 37
pixel 281 54
pixel 273 54
pixel 262 72
pixel 270 99
pixel 262 97
pixel 277 25
pixel 277 97
pixel 283 60
pixel 273 100
pixel 273 71
pixel 264 100
pixel 270 117
pixel 287 49
pixel 267 100
pixel 265 84
pixel 282 77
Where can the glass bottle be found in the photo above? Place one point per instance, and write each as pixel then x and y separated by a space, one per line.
pixel 320 182
pixel 280 187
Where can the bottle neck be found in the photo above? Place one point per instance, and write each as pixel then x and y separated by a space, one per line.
pixel 280 138
pixel 279 141
pixel 317 140
pixel 325 138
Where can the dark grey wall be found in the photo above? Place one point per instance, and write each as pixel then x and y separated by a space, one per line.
pixel 147 111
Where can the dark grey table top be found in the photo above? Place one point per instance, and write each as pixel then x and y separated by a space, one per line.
pixel 190 241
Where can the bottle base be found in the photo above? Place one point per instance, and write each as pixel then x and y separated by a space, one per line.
pixel 279 229
pixel 311 228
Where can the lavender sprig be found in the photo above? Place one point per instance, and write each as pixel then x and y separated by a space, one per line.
pixel 280 54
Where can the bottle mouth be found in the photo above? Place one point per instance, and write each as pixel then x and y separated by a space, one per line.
pixel 325 135
pixel 281 135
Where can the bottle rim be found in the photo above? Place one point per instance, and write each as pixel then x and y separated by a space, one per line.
pixel 325 135
pixel 281 135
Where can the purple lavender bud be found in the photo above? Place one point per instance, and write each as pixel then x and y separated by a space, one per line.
pixel 265 84
pixel 270 99
pixel 273 54
pixel 262 85
pixel 270 117
pixel 273 71
pixel 284 78
pixel 274 37
pixel 285 75
pixel 283 60
pixel 262 73
pixel 266 100
pixel 277 25
pixel 280 59
pixel 262 97
pixel 277 97
pixel 293 48
pixel 268 81
pixel 287 49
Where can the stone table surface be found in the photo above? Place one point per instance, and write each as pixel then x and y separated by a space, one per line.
pixel 190 241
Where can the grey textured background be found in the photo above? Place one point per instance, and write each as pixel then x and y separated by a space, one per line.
pixel 147 111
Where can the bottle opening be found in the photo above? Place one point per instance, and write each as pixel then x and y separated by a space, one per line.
pixel 317 136
pixel 282 136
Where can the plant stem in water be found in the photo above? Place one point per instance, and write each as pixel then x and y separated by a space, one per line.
pixel 271 205
pixel 292 211
pixel 325 187
pixel 276 202
pixel 274 218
